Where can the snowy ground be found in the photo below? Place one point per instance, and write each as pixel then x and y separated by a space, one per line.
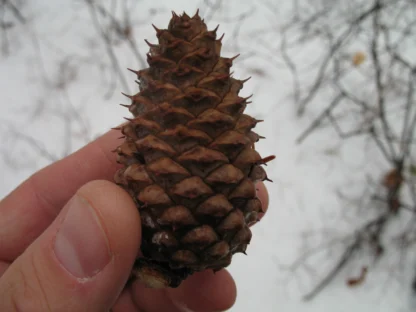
pixel 58 94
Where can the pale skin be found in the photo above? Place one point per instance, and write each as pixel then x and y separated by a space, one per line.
pixel 32 278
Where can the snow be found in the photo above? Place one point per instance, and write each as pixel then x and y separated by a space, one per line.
pixel 58 94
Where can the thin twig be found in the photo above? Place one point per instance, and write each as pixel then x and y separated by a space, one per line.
pixel 108 46
pixel 319 119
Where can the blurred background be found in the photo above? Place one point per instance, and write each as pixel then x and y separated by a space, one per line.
pixel 335 84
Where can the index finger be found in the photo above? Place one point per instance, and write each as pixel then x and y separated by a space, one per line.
pixel 32 206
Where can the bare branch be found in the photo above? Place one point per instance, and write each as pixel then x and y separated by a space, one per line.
pixel 15 11
pixel 320 118
pixel 367 92
pixel 108 46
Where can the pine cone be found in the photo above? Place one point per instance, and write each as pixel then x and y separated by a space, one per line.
pixel 189 158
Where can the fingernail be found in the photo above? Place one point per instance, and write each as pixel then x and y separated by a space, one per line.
pixel 81 244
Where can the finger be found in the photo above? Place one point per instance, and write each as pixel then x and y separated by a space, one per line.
pixel 151 300
pixel 37 201
pixel 263 195
pixel 125 303
pixel 3 267
pixel 204 291
pixel 82 261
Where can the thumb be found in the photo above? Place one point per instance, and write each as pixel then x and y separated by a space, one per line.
pixel 82 261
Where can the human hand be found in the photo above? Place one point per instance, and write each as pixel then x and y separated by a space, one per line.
pixel 68 244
